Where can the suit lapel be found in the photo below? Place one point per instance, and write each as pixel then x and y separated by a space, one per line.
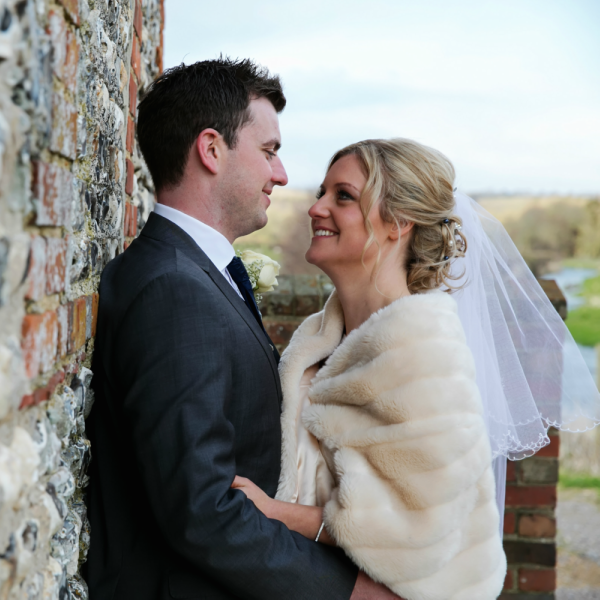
pixel 243 310
pixel 162 229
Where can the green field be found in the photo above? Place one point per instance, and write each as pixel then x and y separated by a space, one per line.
pixel 584 325
pixel 578 480
pixel 591 288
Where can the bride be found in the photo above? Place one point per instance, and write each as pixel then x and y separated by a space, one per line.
pixel 405 395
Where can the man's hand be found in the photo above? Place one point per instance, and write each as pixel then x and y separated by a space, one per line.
pixel 366 589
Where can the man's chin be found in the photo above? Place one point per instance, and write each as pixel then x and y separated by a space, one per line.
pixel 261 221
pixel 252 225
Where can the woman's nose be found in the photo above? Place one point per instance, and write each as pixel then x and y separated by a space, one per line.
pixel 319 209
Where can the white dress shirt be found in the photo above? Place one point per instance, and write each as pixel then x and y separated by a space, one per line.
pixel 214 244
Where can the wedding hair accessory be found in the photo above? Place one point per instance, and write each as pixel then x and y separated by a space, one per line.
pixel 530 372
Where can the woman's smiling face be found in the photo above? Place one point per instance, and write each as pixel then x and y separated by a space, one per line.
pixel 338 225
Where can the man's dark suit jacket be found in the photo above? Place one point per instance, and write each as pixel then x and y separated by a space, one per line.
pixel 188 396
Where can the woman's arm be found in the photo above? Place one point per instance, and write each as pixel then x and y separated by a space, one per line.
pixel 306 520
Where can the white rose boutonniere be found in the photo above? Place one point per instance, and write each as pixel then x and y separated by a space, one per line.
pixel 262 271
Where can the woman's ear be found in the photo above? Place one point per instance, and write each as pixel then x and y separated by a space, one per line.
pixel 400 229
pixel 209 147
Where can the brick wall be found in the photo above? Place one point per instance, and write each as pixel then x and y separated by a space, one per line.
pixel 73 192
pixel 529 520
pixel 530 524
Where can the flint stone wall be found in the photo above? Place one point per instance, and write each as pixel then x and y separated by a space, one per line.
pixel 73 192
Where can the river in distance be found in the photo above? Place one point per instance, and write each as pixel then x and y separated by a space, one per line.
pixel 570 281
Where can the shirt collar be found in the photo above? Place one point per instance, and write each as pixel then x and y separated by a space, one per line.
pixel 214 244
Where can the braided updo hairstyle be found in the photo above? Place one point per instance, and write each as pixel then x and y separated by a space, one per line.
pixel 414 184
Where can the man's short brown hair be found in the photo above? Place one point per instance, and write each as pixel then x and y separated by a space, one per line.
pixel 185 100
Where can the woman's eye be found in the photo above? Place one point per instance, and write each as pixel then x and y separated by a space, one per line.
pixel 342 195
pixel 320 194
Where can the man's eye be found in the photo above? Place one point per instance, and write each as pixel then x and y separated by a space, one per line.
pixel 271 154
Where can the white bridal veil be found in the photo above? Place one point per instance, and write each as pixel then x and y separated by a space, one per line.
pixel 530 372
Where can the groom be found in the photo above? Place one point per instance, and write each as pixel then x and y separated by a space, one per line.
pixel 185 376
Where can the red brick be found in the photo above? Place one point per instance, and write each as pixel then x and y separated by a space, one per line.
pixel 41 395
pixel 56 265
pixel 509 580
pixel 511 470
pixel 125 246
pixel 64 320
pixel 552 449
pixel 26 401
pixel 537 580
pixel 136 58
pixel 130 135
pixel 78 325
pixel 64 127
pixel 53 189
pixel 137 19
pixel 65 50
pixel 126 219
pixel 133 221
pixel 159 57
pixel 72 8
pixel 48 341
pixel 30 335
pixel 55 381
pixel 509 522
pixel 95 301
pixel 36 274
pixel 129 179
pixel 531 496
pixel 537 526
pixel 133 96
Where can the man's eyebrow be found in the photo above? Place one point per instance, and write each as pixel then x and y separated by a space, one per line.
pixel 275 143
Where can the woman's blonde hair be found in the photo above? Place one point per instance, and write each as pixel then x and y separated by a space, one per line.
pixel 414 184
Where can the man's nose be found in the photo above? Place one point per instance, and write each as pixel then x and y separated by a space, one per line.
pixel 279 176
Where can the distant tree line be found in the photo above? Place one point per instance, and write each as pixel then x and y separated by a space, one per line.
pixel 557 232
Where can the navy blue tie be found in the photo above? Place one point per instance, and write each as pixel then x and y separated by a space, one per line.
pixel 238 273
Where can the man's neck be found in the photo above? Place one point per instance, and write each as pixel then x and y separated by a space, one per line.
pixel 199 204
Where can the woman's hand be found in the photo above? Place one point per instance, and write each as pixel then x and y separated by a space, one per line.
pixel 263 502
pixel 303 519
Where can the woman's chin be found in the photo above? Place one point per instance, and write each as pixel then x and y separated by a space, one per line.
pixel 312 257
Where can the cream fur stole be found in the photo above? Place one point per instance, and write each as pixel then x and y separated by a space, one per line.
pixel 414 504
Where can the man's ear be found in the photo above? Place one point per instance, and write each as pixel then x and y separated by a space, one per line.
pixel 210 149
pixel 400 229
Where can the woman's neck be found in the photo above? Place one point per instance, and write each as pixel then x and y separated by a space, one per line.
pixel 361 296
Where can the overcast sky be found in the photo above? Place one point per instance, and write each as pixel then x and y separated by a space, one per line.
pixel 509 90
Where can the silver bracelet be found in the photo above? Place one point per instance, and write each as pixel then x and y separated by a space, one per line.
pixel 320 529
